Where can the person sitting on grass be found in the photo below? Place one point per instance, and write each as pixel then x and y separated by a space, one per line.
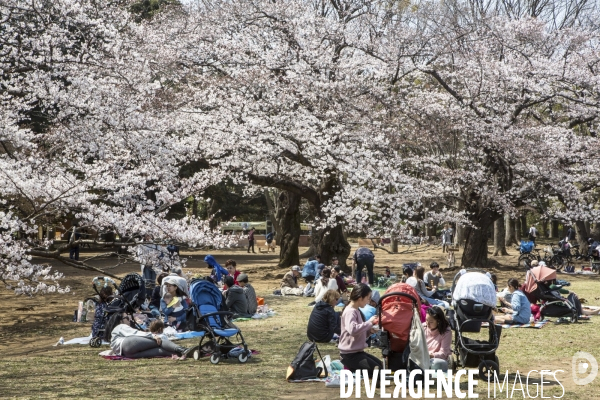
pixel 173 310
pixel 249 293
pixel 132 343
pixel 355 332
pixel 235 298
pixel 324 284
pixel 154 305
pixel 519 311
pixel 323 324
pixel 439 338
pixel 289 283
pixel 422 291
pixel 231 267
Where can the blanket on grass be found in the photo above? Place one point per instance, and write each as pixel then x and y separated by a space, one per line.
pixel 537 325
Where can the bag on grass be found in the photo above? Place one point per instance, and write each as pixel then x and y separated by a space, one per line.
pixel 303 366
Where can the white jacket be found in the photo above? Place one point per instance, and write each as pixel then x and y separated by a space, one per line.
pixel 320 290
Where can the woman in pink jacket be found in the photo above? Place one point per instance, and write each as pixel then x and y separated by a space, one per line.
pixel 355 331
pixel 439 338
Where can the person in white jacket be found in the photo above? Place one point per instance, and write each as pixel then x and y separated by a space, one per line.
pixel 324 284
pixel 132 343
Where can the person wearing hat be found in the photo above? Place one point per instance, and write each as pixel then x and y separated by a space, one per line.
pixel 289 283
pixel 249 293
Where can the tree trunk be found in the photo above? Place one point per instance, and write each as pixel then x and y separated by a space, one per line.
pixel 595 231
pixel 553 229
pixel 394 244
pixel 430 230
pixel 524 227
pixel 290 229
pixel 545 231
pixel 518 229
pixel 460 235
pixel 272 206
pixel 475 254
pixel 499 238
pixel 333 243
pixel 509 234
pixel 581 234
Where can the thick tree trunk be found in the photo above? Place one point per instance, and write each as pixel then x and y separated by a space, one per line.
pixel 290 229
pixel 553 229
pixel 394 245
pixel 430 230
pixel 595 231
pixel 509 228
pixel 581 234
pixel 518 229
pixel 333 243
pixel 499 238
pixel 272 206
pixel 545 232
pixel 475 254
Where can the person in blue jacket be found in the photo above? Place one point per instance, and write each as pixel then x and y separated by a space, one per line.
pixel 218 270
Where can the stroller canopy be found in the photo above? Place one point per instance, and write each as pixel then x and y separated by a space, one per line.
pixel 397 314
pixel 132 288
pixel 538 274
pixel 205 293
pixel 219 271
pixel 477 287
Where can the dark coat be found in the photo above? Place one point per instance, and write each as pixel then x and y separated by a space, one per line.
pixel 323 323
pixel 236 301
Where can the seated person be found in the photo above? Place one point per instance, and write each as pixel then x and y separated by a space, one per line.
pixel 439 338
pixel 154 305
pixel 408 276
pixel 422 291
pixel 519 311
pixel 310 270
pixel 249 293
pixel 231 266
pixel 433 279
pixel 173 310
pixel 289 283
pixel 132 343
pixel 324 322
pixel 235 298
pixel 324 284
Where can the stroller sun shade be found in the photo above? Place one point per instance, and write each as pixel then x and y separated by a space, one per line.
pixel 538 274
pixel 477 287
pixel 397 314
pixel 133 285
pixel 205 293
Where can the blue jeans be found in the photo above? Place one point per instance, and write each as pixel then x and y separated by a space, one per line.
pixel 436 302
pixel 367 262
pixel 74 253
pixel 149 276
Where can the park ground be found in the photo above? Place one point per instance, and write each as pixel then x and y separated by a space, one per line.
pixel 30 367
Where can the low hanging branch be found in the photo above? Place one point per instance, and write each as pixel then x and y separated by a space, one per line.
pixel 70 262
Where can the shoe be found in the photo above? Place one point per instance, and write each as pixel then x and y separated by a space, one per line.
pixel 312 303
pixel 185 352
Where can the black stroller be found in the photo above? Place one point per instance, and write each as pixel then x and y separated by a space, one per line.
pixel 537 288
pixel 474 298
pixel 131 295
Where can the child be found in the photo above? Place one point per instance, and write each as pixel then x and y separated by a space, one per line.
pixel 173 310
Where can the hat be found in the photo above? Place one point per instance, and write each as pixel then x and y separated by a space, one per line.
pixel 375 296
pixel 295 268
pixel 242 278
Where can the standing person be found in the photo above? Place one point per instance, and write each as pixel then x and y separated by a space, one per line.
pixel 363 257
pixel 269 238
pixel 249 293
pixel 251 240
pixel 533 233
pixel 447 234
pixel 74 246
pixel 355 332
pixel 570 234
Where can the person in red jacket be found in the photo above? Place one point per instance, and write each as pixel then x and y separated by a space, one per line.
pixel 231 266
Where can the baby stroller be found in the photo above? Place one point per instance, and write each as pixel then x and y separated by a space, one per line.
pixel 132 294
pixel 218 330
pixel 474 298
pixel 537 288
pixel 594 255
pixel 398 312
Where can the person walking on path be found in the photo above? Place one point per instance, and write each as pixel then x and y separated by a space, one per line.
pixel 533 233
pixel 251 240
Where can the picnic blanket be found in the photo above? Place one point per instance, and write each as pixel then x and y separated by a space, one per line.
pixel 81 340
pixel 109 355
pixel 537 325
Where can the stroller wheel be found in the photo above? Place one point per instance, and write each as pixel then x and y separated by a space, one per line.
pixel 243 357
pixel 95 342
pixel 215 358
pixel 196 353
pixel 486 369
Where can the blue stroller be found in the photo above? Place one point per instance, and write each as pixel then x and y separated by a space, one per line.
pixel 217 328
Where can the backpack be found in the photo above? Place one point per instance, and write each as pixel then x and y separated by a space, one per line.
pixel 303 366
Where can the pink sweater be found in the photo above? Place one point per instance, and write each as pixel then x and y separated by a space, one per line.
pixel 354 332
pixel 438 345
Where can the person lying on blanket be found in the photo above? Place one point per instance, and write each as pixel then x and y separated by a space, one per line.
pixel 519 311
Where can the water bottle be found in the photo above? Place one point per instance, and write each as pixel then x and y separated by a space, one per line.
pixel 532 321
